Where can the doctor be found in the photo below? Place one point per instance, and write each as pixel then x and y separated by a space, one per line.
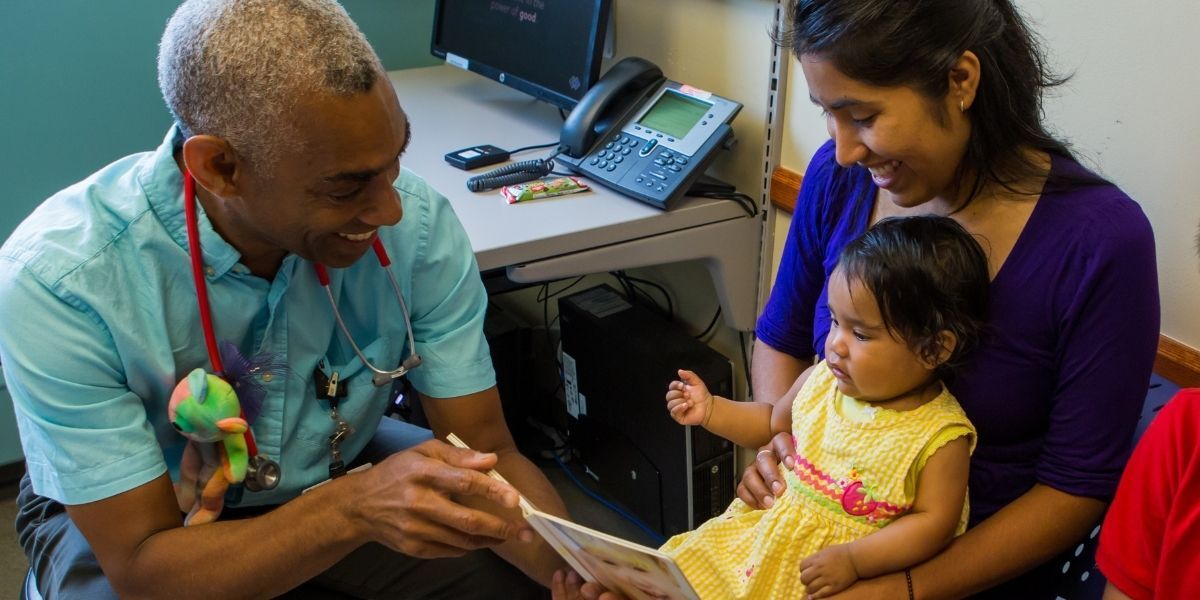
pixel 293 137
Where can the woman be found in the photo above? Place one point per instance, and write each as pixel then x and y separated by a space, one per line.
pixel 934 106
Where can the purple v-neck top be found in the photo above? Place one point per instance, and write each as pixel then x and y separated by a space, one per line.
pixel 1057 387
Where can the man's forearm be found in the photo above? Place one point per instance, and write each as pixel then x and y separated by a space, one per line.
pixel 536 559
pixel 1011 542
pixel 260 557
pixel 479 420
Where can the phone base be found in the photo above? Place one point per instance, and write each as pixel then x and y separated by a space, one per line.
pixel 658 178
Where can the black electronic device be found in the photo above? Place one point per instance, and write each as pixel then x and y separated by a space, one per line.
pixel 549 49
pixel 476 156
pixel 618 358
pixel 644 135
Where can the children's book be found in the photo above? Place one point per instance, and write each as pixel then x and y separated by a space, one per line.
pixel 638 572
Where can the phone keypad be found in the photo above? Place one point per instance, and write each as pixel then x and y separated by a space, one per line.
pixel 613 153
pixel 651 167
pixel 666 164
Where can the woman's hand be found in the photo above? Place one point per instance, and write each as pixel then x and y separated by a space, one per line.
pixel 688 399
pixel 762 481
pixel 568 585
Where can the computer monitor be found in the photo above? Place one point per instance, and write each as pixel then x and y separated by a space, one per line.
pixel 549 49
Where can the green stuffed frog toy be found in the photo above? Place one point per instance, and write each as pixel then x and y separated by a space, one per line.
pixel 205 409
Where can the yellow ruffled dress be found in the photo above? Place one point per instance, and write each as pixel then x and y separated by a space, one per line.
pixel 856 471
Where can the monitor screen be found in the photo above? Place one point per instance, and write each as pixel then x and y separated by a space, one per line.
pixel 550 49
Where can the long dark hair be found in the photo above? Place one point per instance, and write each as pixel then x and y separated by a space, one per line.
pixel 928 275
pixel 914 43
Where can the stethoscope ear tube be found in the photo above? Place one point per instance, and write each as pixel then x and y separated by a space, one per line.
pixel 380 377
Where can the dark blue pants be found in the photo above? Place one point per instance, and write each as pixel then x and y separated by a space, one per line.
pixel 66 568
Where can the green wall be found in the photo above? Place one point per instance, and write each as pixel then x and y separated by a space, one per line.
pixel 78 89
pixel 78 86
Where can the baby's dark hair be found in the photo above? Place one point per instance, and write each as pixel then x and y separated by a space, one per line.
pixel 928 275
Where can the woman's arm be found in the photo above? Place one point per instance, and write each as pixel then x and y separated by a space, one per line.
pixel 825 218
pixel 773 372
pixel 781 416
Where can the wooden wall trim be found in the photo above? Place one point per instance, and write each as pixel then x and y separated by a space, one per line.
pixel 785 184
pixel 1177 362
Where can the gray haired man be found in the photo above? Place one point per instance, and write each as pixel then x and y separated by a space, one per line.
pixel 293 137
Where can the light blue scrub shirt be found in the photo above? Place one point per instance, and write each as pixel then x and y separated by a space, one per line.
pixel 99 321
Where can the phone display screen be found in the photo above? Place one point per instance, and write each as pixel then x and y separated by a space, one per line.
pixel 674 114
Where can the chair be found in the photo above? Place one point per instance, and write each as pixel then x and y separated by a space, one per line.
pixel 1081 579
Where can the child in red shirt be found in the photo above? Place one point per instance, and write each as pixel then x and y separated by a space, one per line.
pixel 1150 541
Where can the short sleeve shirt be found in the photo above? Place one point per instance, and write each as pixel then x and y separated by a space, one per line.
pixel 1150 542
pixel 99 321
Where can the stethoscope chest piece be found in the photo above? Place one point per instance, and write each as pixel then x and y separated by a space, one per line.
pixel 262 474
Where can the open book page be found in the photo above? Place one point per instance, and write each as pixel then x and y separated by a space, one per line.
pixel 636 571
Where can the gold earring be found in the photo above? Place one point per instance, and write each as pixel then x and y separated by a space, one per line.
pixel 961 107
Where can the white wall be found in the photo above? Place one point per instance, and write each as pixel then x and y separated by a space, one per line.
pixel 1130 111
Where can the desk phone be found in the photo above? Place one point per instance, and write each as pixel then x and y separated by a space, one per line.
pixel 643 135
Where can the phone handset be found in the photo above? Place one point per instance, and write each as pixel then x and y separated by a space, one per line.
pixel 616 94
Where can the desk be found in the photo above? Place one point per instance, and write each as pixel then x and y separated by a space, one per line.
pixel 579 234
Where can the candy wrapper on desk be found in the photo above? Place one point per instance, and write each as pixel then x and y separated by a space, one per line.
pixel 543 188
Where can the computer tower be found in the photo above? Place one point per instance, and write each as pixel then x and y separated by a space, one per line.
pixel 618 358
pixel 512 358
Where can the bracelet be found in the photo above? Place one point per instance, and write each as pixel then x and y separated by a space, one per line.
pixel 908 580
pixel 712 406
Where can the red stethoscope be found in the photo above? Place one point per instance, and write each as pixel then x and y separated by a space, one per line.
pixel 262 472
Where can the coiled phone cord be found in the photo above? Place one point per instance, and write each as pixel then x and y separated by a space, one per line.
pixel 518 172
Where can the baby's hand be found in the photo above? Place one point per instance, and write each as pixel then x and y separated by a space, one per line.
pixel 828 572
pixel 688 399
